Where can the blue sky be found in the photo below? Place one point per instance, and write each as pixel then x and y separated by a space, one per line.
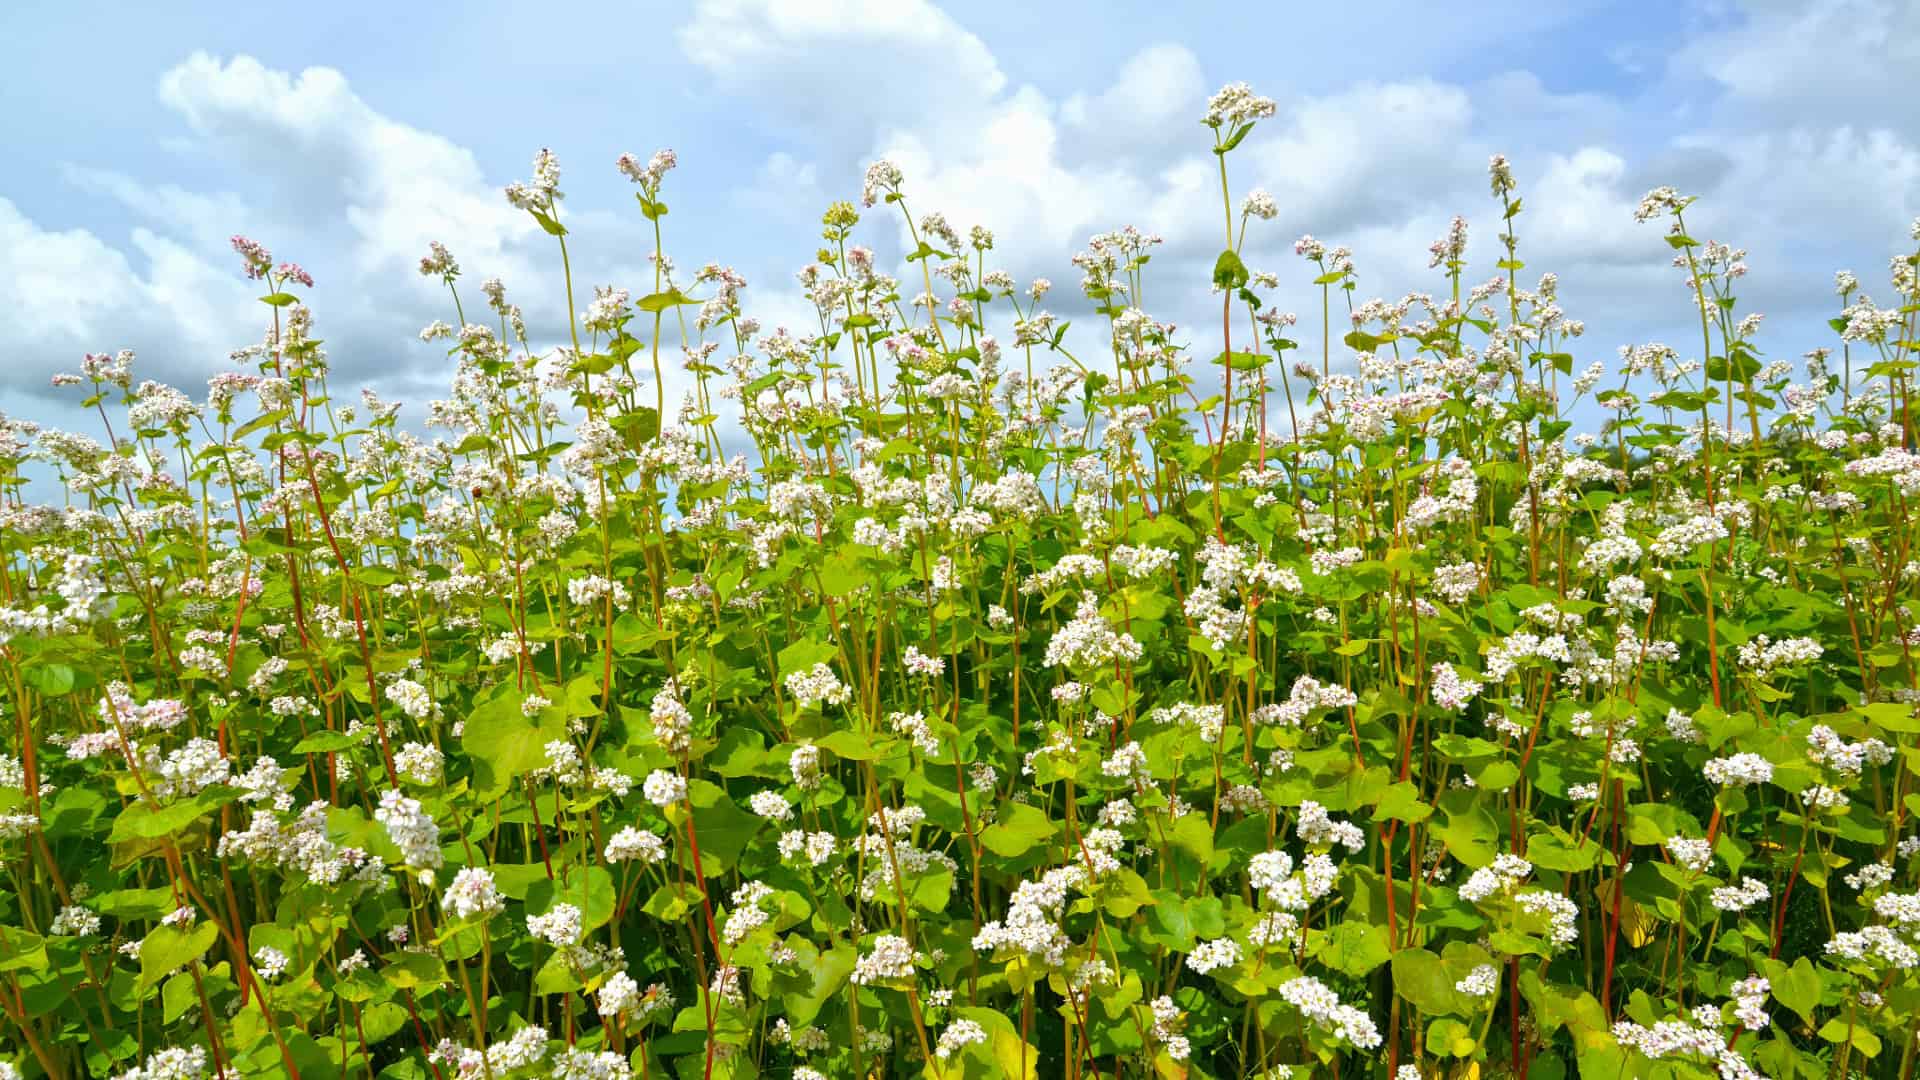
pixel 345 136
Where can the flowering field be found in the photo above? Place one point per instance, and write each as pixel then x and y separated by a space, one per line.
pixel 930 693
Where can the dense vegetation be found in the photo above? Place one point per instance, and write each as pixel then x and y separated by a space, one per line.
pixel 919 697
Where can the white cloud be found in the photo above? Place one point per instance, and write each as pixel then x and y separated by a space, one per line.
pixel 74 293
pixel 1007 174
pixel 396 186
pixel 1151 99
pixel 333 183
pixel 206 219
pixel 841 67
pixel 1811 62
pixel 1366 155
pixel 786 189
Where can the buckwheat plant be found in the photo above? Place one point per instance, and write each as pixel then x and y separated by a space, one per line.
pixel 919 692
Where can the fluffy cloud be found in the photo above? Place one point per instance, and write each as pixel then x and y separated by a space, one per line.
pixel 1803 63
pixel 74 293
pixel 838 68
pixel 1149 101
pixel 348 191
pixel 326 150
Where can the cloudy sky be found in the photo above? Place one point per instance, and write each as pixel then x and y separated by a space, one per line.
pixel 347 135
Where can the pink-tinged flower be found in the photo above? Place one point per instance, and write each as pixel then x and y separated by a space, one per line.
pixel 255 259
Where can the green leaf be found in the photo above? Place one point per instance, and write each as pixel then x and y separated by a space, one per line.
pixel 1228 271
pixel 842 573
pixel 1556 849
pixel 1402 803
pixel 1838 1030
pixel 503 743
pixel 1469 832
pixel 826 974
pixel 592 892
pixel 803 654
pixel 1891 716
pixel 854 746
pixel 1354 948
pixel 1797 987
pixel 1179 922
pixel 741 752
pixel 1234 139
pixel 928 251
pixel 722 828
pixel 1497 776
pixel 324 742
pixel 1021 828
pixel 143 821
pixel 661 301
pixel 1422 978
pixel 167 949
pixel 21 950
pixel 1193 834
pixel 1004 1045
pixel 259 423
pixel 415 971
pixel 1451 1038
pixel 51 680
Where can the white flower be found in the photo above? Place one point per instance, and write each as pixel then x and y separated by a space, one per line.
pixel 1315 827
pixel 410 698
pixel 1563 917
pixel 418 762
pixel 1450 690
pixel 804 765
pixel 632 843
pixel 1693 854
pixel 1505 871
pixel 270 962
pixel 1322 1007
pixel 1740 770
pixel 770 805
pixel 1088 641
pixel 74 920
pixel 411 829
pixel 1482 981
pixel 891 958
pixel 473 893
pixel 577 1064
pixel 1209 955
pixel 1739 897
pixel 1874 943
pixel 1270 869
pixel 618 995
pixel 958 1034
pixel 1763 656
pixel 817 686
pixel 919 663
pixel 174 1063
pixel 663 788
pixel 1750 1001
pixel 559 927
